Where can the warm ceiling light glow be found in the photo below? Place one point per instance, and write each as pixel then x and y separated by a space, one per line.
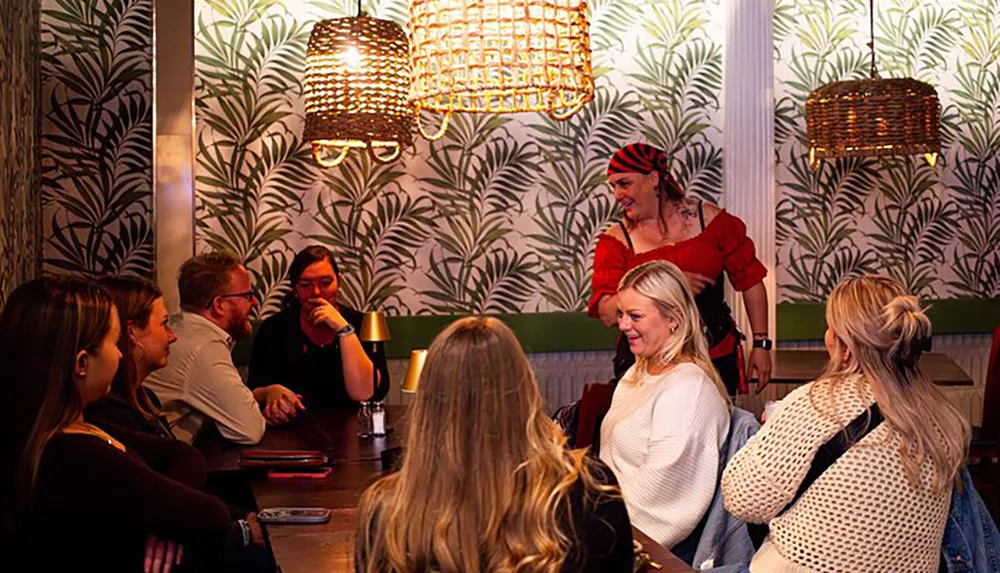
pixel 498 57
pixel 357 81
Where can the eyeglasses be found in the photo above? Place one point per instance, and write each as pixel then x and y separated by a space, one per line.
pixel 247 295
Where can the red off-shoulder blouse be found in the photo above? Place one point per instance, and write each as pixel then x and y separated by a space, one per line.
pixel 722 245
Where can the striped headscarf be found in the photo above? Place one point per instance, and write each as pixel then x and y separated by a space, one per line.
pixel 638 158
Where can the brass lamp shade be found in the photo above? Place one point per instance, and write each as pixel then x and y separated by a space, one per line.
pixel 374 327
pixel 873 117
pixel 417 358
pixel 499 57
pixel 356 86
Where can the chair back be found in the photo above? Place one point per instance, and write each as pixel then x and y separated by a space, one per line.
pixel 991 392
pixel 594 405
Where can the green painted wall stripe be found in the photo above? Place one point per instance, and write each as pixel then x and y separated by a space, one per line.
pixel 575 331
pixel 949 316
pixel 538 332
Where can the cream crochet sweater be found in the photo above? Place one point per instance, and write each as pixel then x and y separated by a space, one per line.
pixel 662 438
pixel 861 515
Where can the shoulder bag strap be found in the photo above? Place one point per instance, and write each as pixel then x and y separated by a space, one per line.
pixel 835 447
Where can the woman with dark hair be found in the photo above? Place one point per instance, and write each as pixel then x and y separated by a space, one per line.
pixel 144 344
pixel 311 346
pixel 74 498
pixel 661 223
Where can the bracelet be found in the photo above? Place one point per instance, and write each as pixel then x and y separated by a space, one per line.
pixel 245 529
pixel 346 331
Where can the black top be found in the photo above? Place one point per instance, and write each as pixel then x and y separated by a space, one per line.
pixel 95 505
pixel 601 529
pixel 283 354
pixel 114 412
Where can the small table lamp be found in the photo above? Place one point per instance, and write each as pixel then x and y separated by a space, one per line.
pixel 374 330
pixel 412 379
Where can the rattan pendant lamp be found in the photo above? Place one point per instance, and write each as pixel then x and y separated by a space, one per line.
pixel 499 56
pixel 873 117
pixel 357 82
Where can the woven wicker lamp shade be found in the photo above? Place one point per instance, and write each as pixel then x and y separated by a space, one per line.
pixel 357 82
pixel 499 56
pixel 873 117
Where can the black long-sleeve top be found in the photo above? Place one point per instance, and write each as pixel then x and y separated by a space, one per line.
pixel 283 354
pixel 114 410
pixel 94 505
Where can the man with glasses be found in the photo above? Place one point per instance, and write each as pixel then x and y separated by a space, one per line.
pixel 200 381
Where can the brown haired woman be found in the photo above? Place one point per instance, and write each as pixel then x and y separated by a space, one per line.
pixel 312 346
pixel 144 345
pixel 661 223
pixel 74 498
pixel 486 483
pixel 883 504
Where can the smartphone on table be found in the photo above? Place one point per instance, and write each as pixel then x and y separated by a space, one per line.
pixel 294 515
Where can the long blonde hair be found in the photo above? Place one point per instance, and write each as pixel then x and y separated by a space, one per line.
pixel 884 330
pixel 485 474
pixel 665 284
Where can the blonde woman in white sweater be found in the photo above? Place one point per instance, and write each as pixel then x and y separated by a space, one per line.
pixel 882 506
pixel 669 417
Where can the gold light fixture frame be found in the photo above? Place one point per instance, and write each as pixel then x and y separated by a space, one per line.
pixel 499 56
pixel 873 117
pixel 356 89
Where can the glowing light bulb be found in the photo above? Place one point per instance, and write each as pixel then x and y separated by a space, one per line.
pixel 352 58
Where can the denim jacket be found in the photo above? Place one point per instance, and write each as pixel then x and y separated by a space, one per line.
pixel 971 542
pixel 724 540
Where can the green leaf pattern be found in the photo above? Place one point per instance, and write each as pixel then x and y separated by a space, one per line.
pixel 97 136
pixel 500 215
pixel 936 230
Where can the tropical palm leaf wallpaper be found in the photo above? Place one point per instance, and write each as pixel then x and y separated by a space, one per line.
pixel 936 230
pixel 19 230
pixel 97 136
pixel 501 215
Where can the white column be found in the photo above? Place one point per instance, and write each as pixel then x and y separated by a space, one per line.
pixel 748 145
pixel 173 141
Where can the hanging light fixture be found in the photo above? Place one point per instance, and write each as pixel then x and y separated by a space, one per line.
pixel 357 79
pixel 873 117
pixel 499 56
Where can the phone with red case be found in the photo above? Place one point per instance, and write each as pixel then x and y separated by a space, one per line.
pixel 299 473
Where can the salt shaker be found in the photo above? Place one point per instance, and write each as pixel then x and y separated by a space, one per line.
pixel 365 420
pixel 378 419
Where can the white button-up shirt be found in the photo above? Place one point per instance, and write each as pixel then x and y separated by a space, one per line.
pixel 200 381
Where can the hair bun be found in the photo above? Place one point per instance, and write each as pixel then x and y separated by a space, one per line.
pixel 907 323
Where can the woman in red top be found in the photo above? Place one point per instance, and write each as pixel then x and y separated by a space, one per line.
pixel 660 223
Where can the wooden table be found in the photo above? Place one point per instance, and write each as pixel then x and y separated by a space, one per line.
pixel 801 366
pixel 356 463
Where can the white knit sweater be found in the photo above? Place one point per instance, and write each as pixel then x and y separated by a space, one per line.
pixel 662 438
pixel 861 515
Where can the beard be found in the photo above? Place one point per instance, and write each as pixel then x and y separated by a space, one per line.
pixel 240 327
